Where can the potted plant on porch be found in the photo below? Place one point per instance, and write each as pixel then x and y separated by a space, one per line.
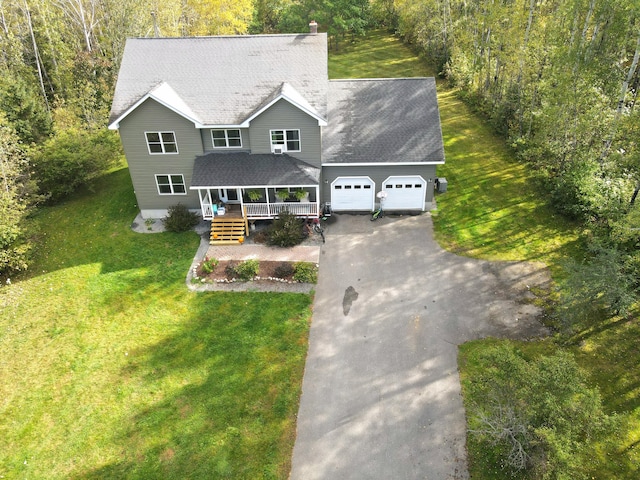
pixel 282 195
pixel 301 195
pixel 254 195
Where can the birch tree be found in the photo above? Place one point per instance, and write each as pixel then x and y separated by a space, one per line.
pixel 84 15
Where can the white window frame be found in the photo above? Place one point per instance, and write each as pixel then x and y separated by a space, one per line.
pixel 171 183
pixel 226 137
pixel 284 145
pixel 161 142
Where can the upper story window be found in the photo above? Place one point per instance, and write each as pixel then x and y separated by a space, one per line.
pixel 287 140
pixel 161 142
pixel 171 185
pixel 226 138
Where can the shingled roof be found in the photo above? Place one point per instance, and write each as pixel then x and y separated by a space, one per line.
pixel 242 169
pixel 383 121
pixel 222 80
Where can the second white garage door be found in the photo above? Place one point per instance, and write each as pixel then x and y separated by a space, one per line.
pixel 352 193
pixel 407 192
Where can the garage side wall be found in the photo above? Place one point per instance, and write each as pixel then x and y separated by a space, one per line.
pixel 378 174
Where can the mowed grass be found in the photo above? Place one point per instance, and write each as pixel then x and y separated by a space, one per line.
pixel 111 368
pixel 495 210
pixel 377 55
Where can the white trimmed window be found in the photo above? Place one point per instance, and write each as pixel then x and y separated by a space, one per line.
pixel 285 140
pixel 161 142
pixel 228 138
pixel 171 185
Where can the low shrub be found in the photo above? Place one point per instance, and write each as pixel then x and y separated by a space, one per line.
pixel 247 270
pixel 305 272
pixel 230 270
pixel 284 270
pixel 209 265
pixel 180 219
pixel 286 230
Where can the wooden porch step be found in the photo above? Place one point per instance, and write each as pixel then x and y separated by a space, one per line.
pixel 227 230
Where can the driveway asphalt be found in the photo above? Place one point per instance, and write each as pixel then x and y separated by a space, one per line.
pixel 381 391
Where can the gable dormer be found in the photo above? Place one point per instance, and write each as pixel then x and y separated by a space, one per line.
pixel 165 96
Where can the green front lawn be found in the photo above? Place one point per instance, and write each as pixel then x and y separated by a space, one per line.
pixel 112 368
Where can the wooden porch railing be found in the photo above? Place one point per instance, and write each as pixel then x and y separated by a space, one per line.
pixel 270 210
pixel 207 211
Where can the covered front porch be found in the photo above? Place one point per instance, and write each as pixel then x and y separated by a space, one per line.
pixel 268 202
pixel 255 186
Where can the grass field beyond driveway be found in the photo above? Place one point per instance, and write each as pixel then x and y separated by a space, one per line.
pixel 111 368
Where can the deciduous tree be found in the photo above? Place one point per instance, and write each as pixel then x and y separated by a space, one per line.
pixel 14 247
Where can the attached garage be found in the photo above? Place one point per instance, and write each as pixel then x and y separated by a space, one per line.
pixel 352 194
pixel 405 192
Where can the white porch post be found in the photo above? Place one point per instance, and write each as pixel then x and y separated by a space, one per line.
pixel 205 203
pixel 241 201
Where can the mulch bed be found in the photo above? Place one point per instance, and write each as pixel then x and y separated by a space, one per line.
pixel 266 271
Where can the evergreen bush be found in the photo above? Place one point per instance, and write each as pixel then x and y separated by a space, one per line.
pixel 284 270
pixel 286 230
pixel 180 219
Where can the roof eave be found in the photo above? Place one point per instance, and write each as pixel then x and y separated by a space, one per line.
pixel 321 121
pixel 200 187
pixel 380 164
pixel 115 125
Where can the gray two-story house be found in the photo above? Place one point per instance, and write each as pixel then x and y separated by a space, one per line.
pixel 251 120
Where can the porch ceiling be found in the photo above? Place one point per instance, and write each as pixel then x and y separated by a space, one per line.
pixel 242 169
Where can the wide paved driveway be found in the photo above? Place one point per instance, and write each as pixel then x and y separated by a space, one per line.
pixel 381 392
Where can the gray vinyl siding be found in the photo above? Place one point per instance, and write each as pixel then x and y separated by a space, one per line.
pixel 150 116
pixel 284 116
pixel 207 140
pixel 378 174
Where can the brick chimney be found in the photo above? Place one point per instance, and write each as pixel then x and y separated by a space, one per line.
pixel 313 27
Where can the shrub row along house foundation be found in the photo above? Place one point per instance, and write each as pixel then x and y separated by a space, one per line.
pixel 253 124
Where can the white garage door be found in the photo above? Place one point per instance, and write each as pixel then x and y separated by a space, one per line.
pixel 404 192
pixel 352 193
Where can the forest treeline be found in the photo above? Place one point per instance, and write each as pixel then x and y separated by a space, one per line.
pixel 557 78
